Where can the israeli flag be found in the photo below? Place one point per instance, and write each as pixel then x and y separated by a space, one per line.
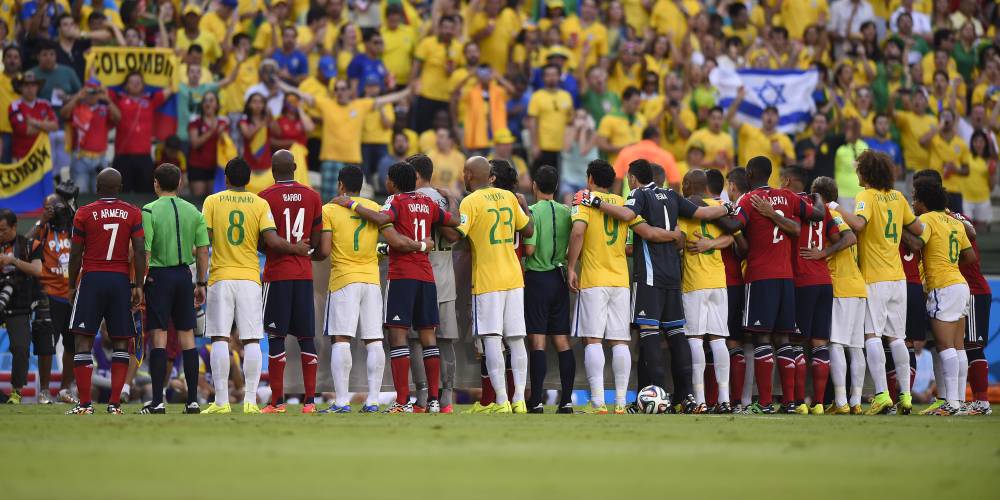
pixel 788 90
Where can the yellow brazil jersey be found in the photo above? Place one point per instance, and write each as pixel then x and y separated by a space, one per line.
pixel 713 144
pixel 602 261
pixel 887 213
pixel 952 151
pixel 495 48
pixel 553 109
pixel 799 14
pixel 944 240
pixel 211 47
pixel 263 39
pixel 575 35
pixel 847 279
pixel 374 131
pixel 911 128
pixel 754 141
pixel 621 130
pixel 437 62
pixel 231 97
pixel 490 216
pixel 704 270
pixel 7 96
pixel 352 252
pixel 976 185
pixel 342 135
pixel 398 54
pixel 235 221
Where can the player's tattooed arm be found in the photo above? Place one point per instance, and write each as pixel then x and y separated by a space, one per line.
pixel 278 244
pixel 786 225
pixel 404 244
pixel 912 242
pixel 844 240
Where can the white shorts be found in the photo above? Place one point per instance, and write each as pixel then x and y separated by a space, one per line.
pixel 355 308
pixel 602 312
pixel 235 300
pixel 706 312
pixel 499 313
pixel 950 303
pixel 980 213
pixel 885 315
pixel 848 324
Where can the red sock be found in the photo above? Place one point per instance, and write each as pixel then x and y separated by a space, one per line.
pixel 711 386
pixel 786 372
pixel 737 372
pixel 276 377
pixel 432 367
pixel 400 361
pixel 119 369
pixel 800 376
pixel 83 373
pixel 893 384
pixel 488 396
pixel 979 372
pixel 820 373
pixel 309 364
pixel 763 371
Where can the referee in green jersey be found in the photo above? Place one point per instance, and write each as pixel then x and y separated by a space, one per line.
pixel 546 295
pixel 176 237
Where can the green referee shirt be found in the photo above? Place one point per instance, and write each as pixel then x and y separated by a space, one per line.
pixel 173 229
pixel 551 236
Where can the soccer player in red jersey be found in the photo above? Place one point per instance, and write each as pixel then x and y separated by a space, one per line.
pixel 769 218
pixel 288 286
pixel 102 232
pixel 916 314
pixel 411 294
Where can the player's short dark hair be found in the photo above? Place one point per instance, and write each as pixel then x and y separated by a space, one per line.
pixel 794 172
pixel 504 175
pixel 659 175
pixel 546 178
pixel 927 174
pixel 168 175
pixel 403 176
pixel 238 172
pixel 352 178
pixel 8 216
pixel 630 92
pixel 602 172
pixel 641 169
pixel 716 181
pixel 931 194
pixel 875 170
pixel 759 168
pixel 422 164
pixel 826 187
pixel 738 177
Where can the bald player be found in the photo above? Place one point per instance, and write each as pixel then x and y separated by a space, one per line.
pixel 288 293
pixel 102 233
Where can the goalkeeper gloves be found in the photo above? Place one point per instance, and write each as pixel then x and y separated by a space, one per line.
pixel 587 198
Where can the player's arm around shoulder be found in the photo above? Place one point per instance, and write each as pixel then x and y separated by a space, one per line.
pixel 523 221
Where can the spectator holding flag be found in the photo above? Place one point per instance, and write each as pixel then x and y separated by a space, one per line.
pixel 134 133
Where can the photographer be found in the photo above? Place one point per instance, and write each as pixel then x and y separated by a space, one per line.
pixel 93 115
pixel 19 264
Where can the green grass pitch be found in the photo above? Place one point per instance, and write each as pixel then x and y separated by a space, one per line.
pixel 45 454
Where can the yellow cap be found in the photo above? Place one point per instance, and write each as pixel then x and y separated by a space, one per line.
pixel 553 4
pixel 503 136
pixel 558 51
pixel 192 9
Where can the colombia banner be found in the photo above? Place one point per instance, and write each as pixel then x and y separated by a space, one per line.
pixel 25 184
pixel 159 68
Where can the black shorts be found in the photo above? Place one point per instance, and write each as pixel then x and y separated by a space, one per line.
pixel 59 310
pixel 546 303
pixel 410 304
pixel 814 311
pixel 977 325
pixel 169 294
pixel 660 307
pixel 288 308
pixel 737 295
pixel 200 174
pixel 769 306
pixel 103 296
pixel 916 312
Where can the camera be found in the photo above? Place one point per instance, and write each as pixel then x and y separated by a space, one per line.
pixel 6 291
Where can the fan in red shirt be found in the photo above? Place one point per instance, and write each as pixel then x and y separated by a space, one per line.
pixel 769 218
pixel 102 233
pixel 134 133
pixel 205 131
pixel 292 126
pixel 411 295
pixel 288 286
pixel 92 115
pixel 29 115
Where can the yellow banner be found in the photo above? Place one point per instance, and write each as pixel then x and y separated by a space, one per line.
pixel 111 65
pixel 17 177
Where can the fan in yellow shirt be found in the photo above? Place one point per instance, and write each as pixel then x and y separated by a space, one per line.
pixel 618 130
pixel 550 110
pixel 717 144
pixel 764 141
pixel 400 41
pixel 448 162
pixel 494 29
pixel 436 57
pixel 191 34
pixel 950 157
pixel 916 127
pixel 586 33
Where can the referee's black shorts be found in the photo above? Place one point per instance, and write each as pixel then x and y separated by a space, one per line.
pixel 169 294
pixel 546 303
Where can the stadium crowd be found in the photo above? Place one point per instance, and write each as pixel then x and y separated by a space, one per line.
pixel 572 101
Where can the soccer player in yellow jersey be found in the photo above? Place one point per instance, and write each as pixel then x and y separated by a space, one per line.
pixel 880 216
pixel 489 219
pixel 705 297
pixel 847 329
pixel 945 246
pixel 237 222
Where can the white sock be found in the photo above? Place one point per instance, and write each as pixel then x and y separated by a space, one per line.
pixel 621 364
pixel 876 363
pixel 949 366
pixel 720 357
pixel 901 358
pixel 340 368
pixel 518 366
pixel 593 362
pixel 747 397
pixel 857 374
pixel 495 366
pixel 697 368
pixel 375 363
pixel 838 373
pixel 942 392
pixel 219 360
pixel 963 373
pixel 252 361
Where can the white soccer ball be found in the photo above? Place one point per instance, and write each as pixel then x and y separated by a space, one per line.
pixel 652 399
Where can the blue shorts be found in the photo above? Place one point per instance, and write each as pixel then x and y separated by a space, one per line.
pixel 288 308
pixel 736 296
pixel 769 306
pixel 546 303
pixel 169 295
pixel 410 304
pixel 916 312
pixel 814 311
pixel 103 296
